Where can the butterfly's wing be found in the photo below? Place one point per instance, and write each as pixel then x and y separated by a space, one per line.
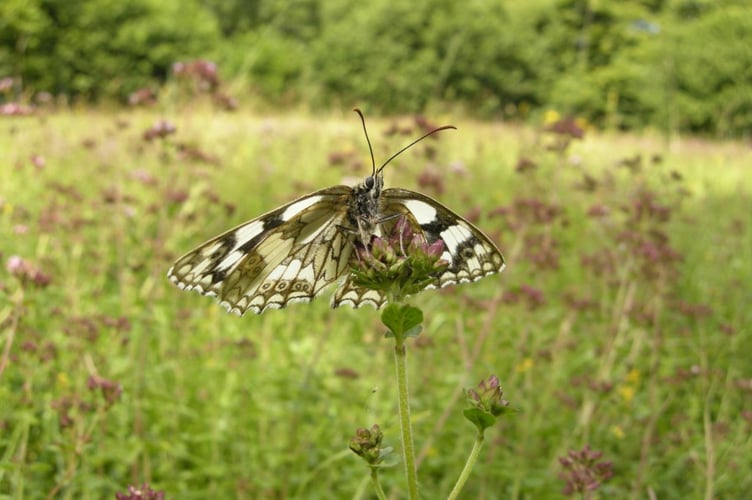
pixel 470 253
pixel 287 255
pixel 350 294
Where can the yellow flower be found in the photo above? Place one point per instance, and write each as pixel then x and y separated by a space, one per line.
pixel 633 377
pixel 617 431
pixel 626 392
pixel 525 365
pixel 551 116
pixel 63 380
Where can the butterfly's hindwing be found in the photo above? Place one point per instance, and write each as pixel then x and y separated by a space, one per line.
pixel 350 294
pixel 470 253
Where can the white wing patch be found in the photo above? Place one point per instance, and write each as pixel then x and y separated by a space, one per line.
pixel 454 236
pixel 232 258
pixel 248 232
pixel 298 206
pixel 422 211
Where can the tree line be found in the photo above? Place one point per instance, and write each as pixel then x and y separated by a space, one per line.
pixel 667 64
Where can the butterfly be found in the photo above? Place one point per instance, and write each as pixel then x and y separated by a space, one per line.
pixel 293 253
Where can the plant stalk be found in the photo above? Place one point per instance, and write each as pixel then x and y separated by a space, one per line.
pixel 474 453
pixel 376 484
pixel 408 449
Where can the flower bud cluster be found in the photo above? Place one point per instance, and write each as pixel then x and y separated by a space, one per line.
pixel 400 264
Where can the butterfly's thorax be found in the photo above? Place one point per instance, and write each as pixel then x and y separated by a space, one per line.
pixel 364 210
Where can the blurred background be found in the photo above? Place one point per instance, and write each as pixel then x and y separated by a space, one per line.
pixel 672 65
pixel 603 145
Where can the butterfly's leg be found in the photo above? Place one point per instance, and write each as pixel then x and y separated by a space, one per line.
pixel 346 229
pixel 357 241
pixel 387 219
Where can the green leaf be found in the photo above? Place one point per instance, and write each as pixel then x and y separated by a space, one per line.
pixel 481 419
pixel 499 410
pixel 402 319
pixel 387 458
pixel 414 331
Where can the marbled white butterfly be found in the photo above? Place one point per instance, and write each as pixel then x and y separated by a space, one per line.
pixel 293 253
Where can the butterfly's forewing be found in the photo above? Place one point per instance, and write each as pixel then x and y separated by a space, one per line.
pixel 470 253
pixel 288 255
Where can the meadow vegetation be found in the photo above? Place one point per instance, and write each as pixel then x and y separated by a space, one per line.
pixel 620 328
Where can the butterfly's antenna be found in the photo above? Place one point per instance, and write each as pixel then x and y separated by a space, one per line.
pixel 416 141
pixel 363 121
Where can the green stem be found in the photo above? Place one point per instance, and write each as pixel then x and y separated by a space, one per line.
pixel 408 449
pixel 468 466
pixel 376 484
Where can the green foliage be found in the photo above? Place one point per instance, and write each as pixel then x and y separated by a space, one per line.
pixel 100 48
pixel 403 320
pixel 713 72
pixel 235 16
pixel 672 65
pixel 273 63
pixel 427 51
pixel 377 53
pixel 585 40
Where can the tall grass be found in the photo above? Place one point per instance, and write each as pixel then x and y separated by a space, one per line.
pixel 622 321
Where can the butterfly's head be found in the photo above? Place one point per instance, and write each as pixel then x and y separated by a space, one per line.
pixel 373 184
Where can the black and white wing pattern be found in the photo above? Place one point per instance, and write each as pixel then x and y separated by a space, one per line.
pixel 288 255
pixel 293 253
pixel 470 253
